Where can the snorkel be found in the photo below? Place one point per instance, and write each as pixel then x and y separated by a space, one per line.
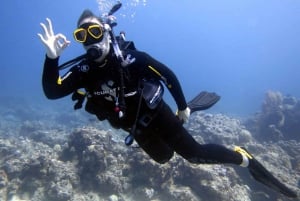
pixel 110 21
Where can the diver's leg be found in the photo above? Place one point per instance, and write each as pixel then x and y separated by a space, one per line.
pixel 177 137
pixel 190 149
pixel 154 146
pixel 184 144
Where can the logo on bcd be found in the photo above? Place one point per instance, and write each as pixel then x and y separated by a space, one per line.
pixel 108 91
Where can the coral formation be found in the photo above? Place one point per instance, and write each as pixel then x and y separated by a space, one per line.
pixel 279 118
pixel 49 158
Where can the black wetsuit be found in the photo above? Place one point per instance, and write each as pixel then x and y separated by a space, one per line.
pixel 164 134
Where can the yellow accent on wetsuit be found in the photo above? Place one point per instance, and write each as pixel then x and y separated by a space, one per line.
pixel 59 80
pixel 155 71
pixel 160 75
pixel 80 92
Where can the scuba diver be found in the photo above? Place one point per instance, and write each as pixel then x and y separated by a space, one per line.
pixel 125 87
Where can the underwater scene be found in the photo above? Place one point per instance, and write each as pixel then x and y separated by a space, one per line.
pixel 243 55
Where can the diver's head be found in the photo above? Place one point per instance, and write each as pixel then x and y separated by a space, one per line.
pixel 92 34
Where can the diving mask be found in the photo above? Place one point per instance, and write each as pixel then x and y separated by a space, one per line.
pixel 88 33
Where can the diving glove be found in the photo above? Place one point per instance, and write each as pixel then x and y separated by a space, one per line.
pixel 184 115
pixel 54 44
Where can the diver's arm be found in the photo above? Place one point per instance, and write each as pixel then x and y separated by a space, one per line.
pixel 54 44
pixel 170 80
pixel 50 75
pixel 53 85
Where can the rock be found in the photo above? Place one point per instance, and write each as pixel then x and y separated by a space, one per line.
pixel 219 129
pixel 113 198
pixel 278 119
pixel 53 160
pixel 3 185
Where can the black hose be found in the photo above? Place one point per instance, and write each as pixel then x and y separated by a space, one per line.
pixel 72 62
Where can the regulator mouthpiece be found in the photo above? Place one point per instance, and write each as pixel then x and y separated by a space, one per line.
pixel 94 53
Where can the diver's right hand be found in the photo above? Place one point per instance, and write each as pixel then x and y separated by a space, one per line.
pixel 54 44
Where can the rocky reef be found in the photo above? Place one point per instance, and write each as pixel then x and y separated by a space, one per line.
pixel 279 118
pixel 51 154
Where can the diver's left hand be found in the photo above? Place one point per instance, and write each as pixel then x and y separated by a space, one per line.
pixel 129 60
pixel 54 44
pixel 184 115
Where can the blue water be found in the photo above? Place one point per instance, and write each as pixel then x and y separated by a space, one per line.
pixel 239 49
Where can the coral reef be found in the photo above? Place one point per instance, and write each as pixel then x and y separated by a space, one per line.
pixel 279 118
pixel 74 158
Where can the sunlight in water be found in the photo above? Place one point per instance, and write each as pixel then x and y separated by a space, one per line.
pixel 128 6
